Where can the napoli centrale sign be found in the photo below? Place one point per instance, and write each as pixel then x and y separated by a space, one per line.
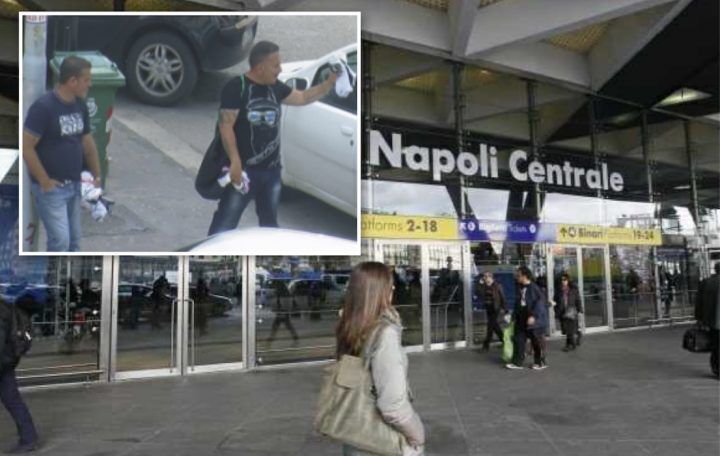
pixel 484 162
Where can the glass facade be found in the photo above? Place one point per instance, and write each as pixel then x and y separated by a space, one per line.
pixel 62 296
pixel 442 140
pixel 297 304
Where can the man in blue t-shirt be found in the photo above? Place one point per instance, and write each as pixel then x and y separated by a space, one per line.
pixel 57 145
pixel 249 126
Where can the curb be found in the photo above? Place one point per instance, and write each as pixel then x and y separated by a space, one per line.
pixel 167 143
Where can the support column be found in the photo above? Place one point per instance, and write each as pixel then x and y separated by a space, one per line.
pixel 106 319
pixel 459 108
pixel 368 90
pixel 248 303
pixel 645 141
pixel 693 178
pixel 534 145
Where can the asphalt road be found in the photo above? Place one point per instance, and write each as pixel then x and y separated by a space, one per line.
pixel 154 152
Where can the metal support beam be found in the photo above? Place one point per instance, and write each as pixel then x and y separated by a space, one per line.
pixel 106 319
pixel 594 146
pixel 533 118
pixel 462 15
pixel 368 91
pixel 425 281
pixel 248 302
pixel 467 263
pixel 459 108
pixel 647 156
pixel 521 21
pixel 693 177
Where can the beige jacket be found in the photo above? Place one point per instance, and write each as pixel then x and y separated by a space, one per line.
pixel 388 365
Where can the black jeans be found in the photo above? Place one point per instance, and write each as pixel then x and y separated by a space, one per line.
pixel 570 328
pixel 265 187
pixel 13 402
pixel 492 327
pixel 537 339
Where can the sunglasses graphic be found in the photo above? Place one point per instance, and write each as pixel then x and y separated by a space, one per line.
pixel 258 117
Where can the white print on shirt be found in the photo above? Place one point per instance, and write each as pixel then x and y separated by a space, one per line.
pixel 71 124
pixel 263 115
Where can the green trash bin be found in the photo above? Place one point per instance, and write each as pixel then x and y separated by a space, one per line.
pixel 106 79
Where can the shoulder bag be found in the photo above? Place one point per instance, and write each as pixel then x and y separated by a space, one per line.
pixel 347 410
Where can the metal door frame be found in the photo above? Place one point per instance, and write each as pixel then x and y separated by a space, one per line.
pixel 424 245
pixel 605 248
pixel 178 341
pixel 188 359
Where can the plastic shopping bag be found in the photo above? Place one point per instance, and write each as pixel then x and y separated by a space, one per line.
pixel 508 332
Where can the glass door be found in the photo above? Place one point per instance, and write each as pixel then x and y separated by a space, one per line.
pixel 594 286
pixel 446 294
pixel 564 261
pixel 406 264
pixel 429 292
pixel 146 314
pixel 296 308
pixel 214 327
pixel 588 269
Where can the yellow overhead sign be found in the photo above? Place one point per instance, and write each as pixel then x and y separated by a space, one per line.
pixel 591 234
pixel 409 227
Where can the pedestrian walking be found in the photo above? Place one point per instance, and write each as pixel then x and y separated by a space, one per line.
pixel 247 151
pixel 495 307
pixel 568 309
pixel 9 393
pixel 531 320
pixel 368 346
pixel 707 314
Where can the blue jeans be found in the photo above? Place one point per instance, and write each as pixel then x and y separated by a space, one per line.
pixel 265 186
pixel 59 210
pixel 11 399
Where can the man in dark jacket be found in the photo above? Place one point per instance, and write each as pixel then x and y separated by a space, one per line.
pixel 495 307
pixel 9 393
pixel 707 313
pixel 531 320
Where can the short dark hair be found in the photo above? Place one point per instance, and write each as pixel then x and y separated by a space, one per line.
pixel 525 272
pixel 72 67
pixel 260 51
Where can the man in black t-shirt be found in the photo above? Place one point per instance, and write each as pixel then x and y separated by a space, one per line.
pixel 249 125
pixel 56 143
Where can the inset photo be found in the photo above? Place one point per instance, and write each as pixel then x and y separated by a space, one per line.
pixel 194 133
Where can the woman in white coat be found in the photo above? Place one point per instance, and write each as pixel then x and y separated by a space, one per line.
pixel 368 306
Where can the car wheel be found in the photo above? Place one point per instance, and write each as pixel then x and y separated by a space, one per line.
pixel 161 69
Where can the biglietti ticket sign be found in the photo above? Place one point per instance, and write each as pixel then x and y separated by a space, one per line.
pixel 483 161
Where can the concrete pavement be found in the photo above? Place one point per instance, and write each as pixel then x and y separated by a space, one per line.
pixel 629 393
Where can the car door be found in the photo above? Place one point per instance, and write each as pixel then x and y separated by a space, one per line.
pixel 320 144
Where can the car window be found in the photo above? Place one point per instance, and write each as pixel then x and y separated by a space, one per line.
pixel 348 103
pixel 352 61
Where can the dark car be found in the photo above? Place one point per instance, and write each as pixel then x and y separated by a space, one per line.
pixel 160 56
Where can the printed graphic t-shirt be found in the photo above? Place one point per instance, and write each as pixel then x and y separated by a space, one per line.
pixel 60 127
pixel 257 128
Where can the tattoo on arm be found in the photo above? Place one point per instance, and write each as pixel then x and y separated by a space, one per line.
pixel 228 116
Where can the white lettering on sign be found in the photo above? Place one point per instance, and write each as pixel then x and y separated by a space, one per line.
pixel 440 161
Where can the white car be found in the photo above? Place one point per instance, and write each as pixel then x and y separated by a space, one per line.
pixel 319 141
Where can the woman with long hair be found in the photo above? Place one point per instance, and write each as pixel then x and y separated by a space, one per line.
pixel 370 327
